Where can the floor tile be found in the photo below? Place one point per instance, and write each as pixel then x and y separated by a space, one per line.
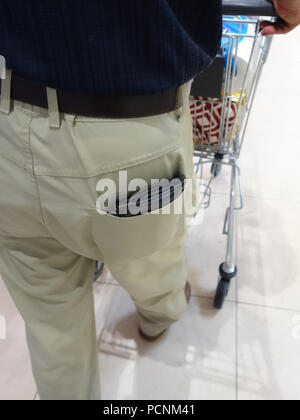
pixel 268 171
pixel 269 253
pixel 281 73
pixel 106 277
pixel 269 164
pixel 206 249
pixel 269 348
pixel 194 360
pixel 16 380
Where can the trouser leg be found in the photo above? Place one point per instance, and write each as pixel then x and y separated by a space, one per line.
pixel 53 289
pixel 156 285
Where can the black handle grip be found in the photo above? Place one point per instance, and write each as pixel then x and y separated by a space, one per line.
pixel 248 8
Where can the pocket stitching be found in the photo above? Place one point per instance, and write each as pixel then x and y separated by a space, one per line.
pixel 41 171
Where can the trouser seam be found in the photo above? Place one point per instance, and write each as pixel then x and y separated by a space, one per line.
pixel 34 179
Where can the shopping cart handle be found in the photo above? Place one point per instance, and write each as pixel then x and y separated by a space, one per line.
pixel 248 8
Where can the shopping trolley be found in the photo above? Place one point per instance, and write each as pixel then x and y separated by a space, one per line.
pixel 220 118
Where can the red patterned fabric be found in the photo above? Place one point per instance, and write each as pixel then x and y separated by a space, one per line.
pixel 207 115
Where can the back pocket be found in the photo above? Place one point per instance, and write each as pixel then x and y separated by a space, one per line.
pixel 126 239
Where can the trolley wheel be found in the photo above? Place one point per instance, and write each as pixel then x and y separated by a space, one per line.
pixel 221 294
pixel 216 169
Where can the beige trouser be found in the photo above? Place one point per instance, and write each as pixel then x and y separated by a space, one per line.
pixel 51 233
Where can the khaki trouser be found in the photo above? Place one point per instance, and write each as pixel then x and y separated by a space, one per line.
pixel 51 233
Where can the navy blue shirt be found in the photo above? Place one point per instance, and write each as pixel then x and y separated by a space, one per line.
pixel 110 46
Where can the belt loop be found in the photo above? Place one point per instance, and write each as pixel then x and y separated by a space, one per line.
pixel 184 99
pixel 5 98
pixel 180 101
pixel 54 116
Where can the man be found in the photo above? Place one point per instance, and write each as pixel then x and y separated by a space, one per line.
pixel 96 93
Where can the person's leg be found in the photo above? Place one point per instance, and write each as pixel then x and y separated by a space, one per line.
pixel 156 284
pixel 53 289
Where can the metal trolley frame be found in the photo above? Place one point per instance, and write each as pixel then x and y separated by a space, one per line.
pixel 226 150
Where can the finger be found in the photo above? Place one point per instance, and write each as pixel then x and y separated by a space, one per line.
pixel 275 28
pixel 267 28
pixel 264 23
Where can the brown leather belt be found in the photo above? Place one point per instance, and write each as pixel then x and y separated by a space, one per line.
pixel 134 106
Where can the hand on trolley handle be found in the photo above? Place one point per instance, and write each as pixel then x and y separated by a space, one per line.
pixel 289 18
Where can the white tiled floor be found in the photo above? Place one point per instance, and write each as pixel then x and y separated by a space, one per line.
pixel 16 380
pixel 251 349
